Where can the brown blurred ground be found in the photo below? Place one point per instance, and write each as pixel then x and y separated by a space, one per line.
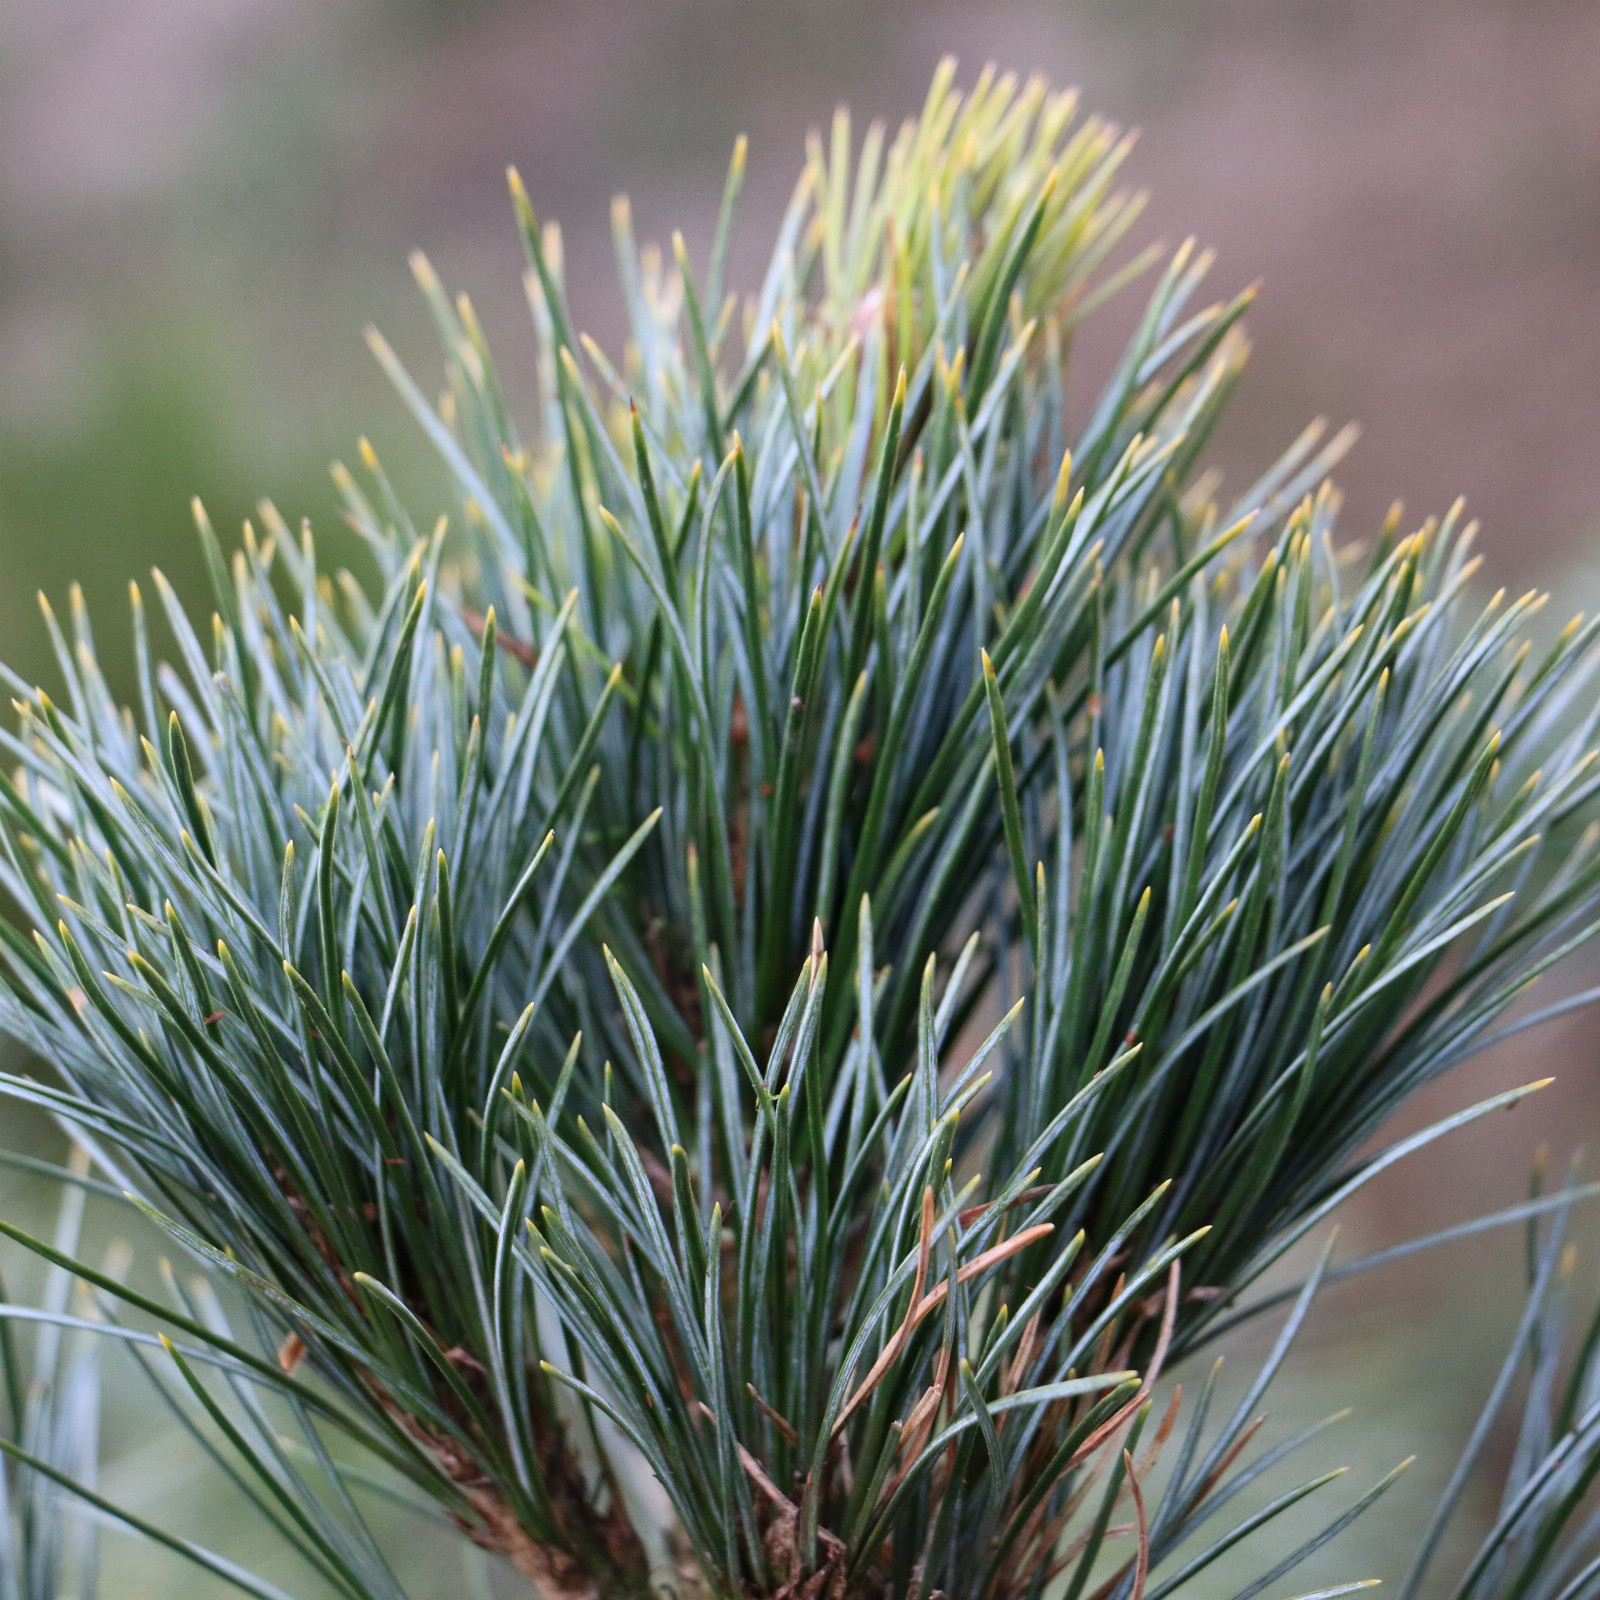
pixel 202 201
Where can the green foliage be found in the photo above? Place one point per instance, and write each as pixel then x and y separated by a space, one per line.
pixel 52 1430
pixel 545 982
pixel 1542 1542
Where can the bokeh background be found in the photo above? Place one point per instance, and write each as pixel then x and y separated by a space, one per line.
pixel 203 201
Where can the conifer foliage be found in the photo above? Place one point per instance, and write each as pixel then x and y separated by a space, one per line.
pixel 721 1014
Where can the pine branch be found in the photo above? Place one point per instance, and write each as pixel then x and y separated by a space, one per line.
pixel 432 966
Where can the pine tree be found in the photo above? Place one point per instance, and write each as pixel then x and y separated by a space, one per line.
pixel 814 936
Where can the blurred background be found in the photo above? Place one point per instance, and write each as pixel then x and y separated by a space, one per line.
pixel 203 201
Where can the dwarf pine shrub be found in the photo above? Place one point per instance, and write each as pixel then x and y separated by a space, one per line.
pixel 724 1014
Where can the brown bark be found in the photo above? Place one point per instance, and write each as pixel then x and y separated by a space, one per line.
pixel 555 1574
pixel 619 1568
